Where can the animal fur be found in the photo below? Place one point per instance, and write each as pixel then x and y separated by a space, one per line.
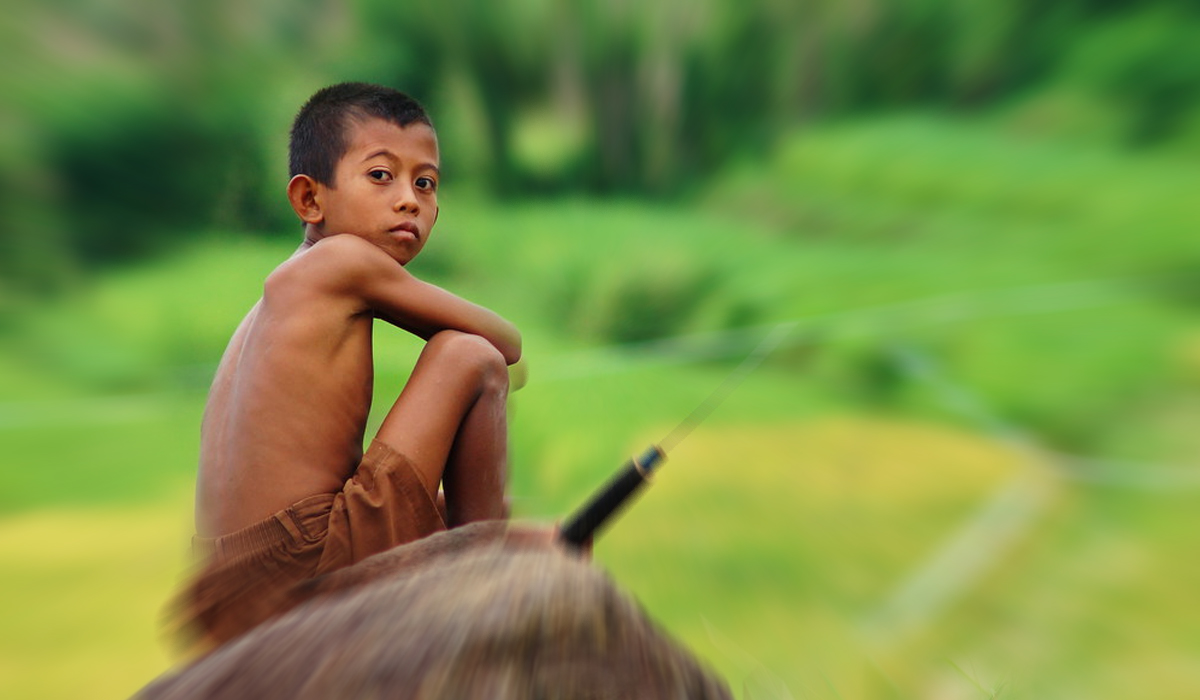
pixel 465 614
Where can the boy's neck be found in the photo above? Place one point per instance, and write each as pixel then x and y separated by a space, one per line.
pixel 312 234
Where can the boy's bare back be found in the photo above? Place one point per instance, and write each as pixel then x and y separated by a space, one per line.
pixel 288 407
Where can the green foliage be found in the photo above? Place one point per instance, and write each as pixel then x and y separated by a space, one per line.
pixel 1147 66
pixel 675 91
pixel 953 286
pixel 1005 264
pixel 926 210
pixel 160 126
pixel 635 301
pixel 129 191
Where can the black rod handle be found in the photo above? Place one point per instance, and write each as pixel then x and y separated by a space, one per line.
pixel 586 521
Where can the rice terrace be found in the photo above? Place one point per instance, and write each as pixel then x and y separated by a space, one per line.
pixel 964 470
pixel 912 288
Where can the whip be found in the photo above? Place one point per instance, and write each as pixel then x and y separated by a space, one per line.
pixel 584 523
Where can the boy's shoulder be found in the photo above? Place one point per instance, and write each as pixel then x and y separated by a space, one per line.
pixel 334 261
pixel 344 248
pixel 340 253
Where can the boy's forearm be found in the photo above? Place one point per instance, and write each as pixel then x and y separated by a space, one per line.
pixel 435 309
pixel 501 333
pixel 482 321
pixel 394 294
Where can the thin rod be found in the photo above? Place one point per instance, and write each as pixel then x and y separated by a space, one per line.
pixel 722 392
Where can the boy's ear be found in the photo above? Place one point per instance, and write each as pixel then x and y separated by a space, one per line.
pixel 303 193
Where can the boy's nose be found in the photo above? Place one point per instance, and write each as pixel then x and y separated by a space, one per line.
pixel 406 202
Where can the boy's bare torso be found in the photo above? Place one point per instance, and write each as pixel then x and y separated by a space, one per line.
pixel 299 370
pixel 287 411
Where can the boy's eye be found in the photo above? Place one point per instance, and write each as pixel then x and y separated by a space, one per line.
pixel 426 183
pixel 379 175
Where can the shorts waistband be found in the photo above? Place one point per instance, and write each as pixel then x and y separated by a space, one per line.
pixel 290 525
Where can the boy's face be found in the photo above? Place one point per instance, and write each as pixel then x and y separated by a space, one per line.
pixel 385 187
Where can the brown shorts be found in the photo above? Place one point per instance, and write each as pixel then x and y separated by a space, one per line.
pixel 248 575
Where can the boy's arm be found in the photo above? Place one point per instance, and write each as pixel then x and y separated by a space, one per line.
pixel 393 294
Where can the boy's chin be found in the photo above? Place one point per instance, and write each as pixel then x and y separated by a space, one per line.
pixel 402 257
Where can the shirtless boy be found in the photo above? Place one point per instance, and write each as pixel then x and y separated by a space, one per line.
pixel 284 491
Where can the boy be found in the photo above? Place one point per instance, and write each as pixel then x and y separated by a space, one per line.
pixel 284 490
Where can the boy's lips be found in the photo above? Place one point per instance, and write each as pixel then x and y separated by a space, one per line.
pixel 407 226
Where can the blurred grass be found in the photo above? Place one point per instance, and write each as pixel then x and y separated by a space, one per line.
pixel 957 290
pixel 83 588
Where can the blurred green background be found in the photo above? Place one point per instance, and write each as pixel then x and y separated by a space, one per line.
pixel 968 472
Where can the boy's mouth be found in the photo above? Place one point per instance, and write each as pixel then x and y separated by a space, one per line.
pixel 407 226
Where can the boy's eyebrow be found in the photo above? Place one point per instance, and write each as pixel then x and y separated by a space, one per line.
pixel 389 154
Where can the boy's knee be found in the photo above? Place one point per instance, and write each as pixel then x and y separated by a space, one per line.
pixel 474 353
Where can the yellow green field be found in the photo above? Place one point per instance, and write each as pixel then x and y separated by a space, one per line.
pixel 798 559
pixel 968 473
pixel 83 591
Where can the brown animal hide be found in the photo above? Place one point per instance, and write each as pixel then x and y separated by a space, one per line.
pixel 470 613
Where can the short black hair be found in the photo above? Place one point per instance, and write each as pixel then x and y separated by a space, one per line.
pixel 318 137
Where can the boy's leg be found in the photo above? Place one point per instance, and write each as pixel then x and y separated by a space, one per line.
pixel 451 422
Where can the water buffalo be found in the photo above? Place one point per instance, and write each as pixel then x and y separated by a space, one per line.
pixel 475 612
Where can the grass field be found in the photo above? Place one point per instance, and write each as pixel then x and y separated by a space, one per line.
pixel 967 473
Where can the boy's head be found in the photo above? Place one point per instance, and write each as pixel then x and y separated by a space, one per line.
pixel 320 132
pixel 364 161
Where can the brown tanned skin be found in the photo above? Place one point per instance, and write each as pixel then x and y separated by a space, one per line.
pixel 287 411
